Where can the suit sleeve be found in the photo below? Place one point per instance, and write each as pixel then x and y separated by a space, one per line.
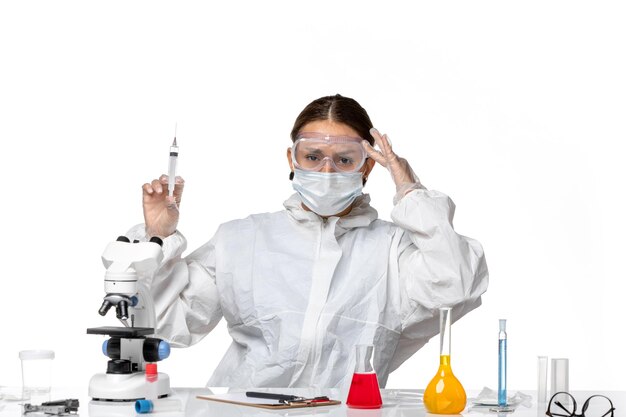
pixel 436 267
pixel 186 299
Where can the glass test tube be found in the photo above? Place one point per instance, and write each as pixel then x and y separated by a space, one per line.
pixel 502 364
pixel 560 375
pixel 542 379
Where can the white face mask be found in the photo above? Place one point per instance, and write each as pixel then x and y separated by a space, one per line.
pixel 327 193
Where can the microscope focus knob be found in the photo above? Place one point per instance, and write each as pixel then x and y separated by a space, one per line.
pixel 164 350
pixel 112 348
pixel 155 350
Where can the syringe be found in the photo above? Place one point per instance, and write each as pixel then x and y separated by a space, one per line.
pixel 172 171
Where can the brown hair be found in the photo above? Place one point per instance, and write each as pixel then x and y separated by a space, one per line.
pixel 339 109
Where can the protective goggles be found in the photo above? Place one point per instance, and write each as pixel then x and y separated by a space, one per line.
pixel 312 151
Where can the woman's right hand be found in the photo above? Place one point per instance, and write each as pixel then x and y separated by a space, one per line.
pixel 160 211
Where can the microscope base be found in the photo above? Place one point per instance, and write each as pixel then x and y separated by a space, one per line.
pixel 126 387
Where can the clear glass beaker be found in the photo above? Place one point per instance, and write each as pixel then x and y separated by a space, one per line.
pixel 364 390
pixel 36 371
pixel 444 394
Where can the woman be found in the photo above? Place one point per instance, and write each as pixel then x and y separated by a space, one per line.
pixel 301 287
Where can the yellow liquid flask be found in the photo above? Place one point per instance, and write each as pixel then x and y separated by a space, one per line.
pixel 444 394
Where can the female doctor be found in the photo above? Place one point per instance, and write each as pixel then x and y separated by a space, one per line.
pixel 301 287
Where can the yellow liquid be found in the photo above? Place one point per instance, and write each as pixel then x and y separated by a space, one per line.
pixel 444 394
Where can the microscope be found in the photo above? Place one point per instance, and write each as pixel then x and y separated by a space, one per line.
pixel 131 371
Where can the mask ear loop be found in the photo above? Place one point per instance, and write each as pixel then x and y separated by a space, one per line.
pixel 365 176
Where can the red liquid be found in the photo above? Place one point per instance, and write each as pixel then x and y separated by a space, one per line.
pixel 364 391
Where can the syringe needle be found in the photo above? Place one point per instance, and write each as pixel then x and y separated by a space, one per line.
pixel 171 183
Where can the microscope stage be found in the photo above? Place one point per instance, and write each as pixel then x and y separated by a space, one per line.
pixel 126 332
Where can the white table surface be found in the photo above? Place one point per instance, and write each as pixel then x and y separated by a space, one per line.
pixel 397 403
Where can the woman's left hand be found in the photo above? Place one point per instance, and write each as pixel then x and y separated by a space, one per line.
pixel 399 168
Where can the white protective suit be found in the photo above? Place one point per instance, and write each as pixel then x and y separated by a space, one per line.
pixel 298 292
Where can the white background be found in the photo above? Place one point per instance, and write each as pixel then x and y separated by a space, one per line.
pixel 514 109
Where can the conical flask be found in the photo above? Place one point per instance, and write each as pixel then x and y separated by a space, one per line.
pixel 444 394
pixel 364 390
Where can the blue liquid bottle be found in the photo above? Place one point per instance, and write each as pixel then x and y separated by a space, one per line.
pixel 502 364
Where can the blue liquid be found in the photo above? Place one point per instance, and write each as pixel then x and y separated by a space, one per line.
pixel 502 373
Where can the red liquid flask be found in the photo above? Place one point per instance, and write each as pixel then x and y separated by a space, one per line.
pixel 364 390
